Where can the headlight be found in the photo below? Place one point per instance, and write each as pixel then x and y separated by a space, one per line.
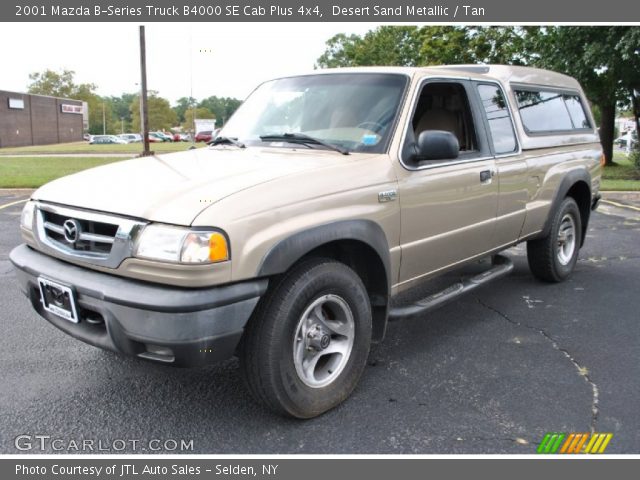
pixel 181 245
pixel 26 219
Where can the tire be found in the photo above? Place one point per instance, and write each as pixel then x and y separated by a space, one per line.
pixel 553 258
pixel 285 336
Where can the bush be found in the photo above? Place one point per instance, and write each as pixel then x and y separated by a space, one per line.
pixel 634 156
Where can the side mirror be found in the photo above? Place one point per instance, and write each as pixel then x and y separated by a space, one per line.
pixel 437 145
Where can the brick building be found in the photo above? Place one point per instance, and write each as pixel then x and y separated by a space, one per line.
pixel 39 120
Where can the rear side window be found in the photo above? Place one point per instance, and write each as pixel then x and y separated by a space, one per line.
pixel 576 112
pixel 497 111
pixel 547 111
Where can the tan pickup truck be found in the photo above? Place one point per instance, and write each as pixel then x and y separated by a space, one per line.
pixel 324 197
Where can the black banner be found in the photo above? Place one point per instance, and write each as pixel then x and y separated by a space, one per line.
pixel 314 469
pixel 410 11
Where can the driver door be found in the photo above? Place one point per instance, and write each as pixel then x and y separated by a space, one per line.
pixel 448 206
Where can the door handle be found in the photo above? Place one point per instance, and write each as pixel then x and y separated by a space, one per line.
pixel 486 176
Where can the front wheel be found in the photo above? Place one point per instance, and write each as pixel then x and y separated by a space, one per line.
pixel 554 257
pixel 308 341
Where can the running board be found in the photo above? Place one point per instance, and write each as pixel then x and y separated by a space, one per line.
pixel 500 266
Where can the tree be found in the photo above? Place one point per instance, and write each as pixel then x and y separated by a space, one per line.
pixel 161 115
pixel 445 45
pixel 629 50
pixel 101 116
pixel 429 45
pixel 221 107
pixel 386 45
pixel 182 105
pixel 341 51
pixel 500 45
pixel 57 84
pixel 121 111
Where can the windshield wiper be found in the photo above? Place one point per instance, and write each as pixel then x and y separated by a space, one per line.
pixel 227 140
pixel 302 138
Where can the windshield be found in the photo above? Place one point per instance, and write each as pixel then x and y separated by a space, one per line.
pixel 353 111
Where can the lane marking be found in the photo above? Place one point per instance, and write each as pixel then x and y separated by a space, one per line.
pixel 621 205
pixel 7 205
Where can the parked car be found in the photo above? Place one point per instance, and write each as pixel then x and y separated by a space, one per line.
pixel 98 139
pixel 621 141
pixel 168 137
pixel 180 137
pixel 204 136
pixel 131 137
pixel 157 137
pixel 86 137
pixel 327 197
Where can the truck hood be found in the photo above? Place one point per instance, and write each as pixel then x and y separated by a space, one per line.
pixel 175 188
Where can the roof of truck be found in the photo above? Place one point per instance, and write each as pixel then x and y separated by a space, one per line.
pixel 503 73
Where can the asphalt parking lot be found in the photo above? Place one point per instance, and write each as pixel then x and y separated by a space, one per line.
pixel 490 373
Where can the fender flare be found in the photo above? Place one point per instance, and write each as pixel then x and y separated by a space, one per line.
pixel 569 180
pixel 289 250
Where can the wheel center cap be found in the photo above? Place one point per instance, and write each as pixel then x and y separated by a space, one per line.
pixel 317 338
pixel 325 340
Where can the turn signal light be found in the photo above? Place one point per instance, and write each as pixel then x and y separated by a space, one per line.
pixel 218 250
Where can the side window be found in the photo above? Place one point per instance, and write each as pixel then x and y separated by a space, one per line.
pixel 445 106
pixel 547 111
pixel 499 118
pixel 576 111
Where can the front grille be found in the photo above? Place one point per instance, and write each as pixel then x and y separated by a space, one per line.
pixel 92 236
pixel 84 236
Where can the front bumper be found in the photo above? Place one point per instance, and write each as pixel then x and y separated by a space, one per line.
pixel 180 326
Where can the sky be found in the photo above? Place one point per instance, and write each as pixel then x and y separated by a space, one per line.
pixel 223 59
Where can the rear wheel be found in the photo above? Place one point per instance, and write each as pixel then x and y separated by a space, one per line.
pixel 308 341
pixel 554 257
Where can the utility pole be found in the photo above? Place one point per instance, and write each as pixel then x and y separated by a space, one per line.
pixel 104 121
pixel 144 119
pixel 191 101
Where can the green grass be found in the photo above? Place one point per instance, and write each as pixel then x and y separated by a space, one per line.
pixel 84 147
pixel 32 172
pixel 622 175
pixel 621 185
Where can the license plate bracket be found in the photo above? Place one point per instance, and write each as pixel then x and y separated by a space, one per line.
pixel 58 299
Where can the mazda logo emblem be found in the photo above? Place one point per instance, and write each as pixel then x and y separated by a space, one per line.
pixel 72 230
